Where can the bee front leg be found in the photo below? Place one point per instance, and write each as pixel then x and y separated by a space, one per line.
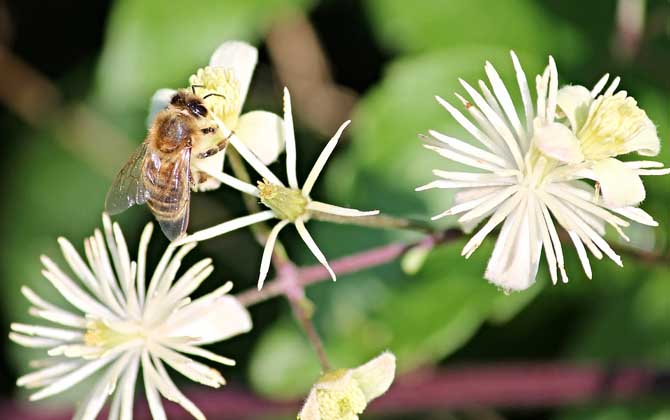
pixel 216 149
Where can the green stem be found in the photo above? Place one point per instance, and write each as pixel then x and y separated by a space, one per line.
pixel 380 221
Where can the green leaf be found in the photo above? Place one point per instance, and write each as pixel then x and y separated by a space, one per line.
pixel 436 24
pixel 421 319
pixel 151 44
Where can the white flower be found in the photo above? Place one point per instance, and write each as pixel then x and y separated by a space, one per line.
pixel 118 326
pixel 290 204
pixel 524 189
pixel 343 394
pixel 228 77
pixel 603 127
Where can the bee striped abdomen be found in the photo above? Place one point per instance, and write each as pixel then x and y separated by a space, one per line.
pixel 166 190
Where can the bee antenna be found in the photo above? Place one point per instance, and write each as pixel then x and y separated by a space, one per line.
pixel 213 94
pixel 195 86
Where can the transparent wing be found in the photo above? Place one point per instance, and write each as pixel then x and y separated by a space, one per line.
pixel 170 194
pixel 128 187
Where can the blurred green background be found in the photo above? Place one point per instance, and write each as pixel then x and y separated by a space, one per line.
pixel 75 82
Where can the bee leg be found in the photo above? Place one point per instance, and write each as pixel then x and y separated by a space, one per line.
pixel 208 130
pixel 216 149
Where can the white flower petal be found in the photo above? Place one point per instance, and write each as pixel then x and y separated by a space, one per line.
pixel 620 185
pixel 228 226
pixel 310 410
pixel 574 102
pixel 267 251
pixel 159 101
pixel 558 142
pixel 307 238
pixel 289 136
pixel 322 159
pixel 208 321
pixel 376 376
pixel 241 58
pixel 262 133
pixel 339 211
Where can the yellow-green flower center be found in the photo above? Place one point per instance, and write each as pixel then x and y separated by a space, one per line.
pixel 345 402
pixel 611 123
pixel 99 334
pixel 287 203
pixel 222 82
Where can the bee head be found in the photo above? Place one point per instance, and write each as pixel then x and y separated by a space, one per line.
pixel 185 100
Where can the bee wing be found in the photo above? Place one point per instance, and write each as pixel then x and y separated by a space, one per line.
pixel 170 201
pixel 128 187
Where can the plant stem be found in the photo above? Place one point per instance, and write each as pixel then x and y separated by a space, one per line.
pixel 502 385
pixel 380 221
pixel 349 264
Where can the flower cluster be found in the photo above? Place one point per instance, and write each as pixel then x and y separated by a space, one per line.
pixel 529 175
pixel 119 325
pixel 290 204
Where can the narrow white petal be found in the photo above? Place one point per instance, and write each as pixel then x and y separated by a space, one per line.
pixel 73 378
pixel 142 260
pixel 553 90
pixel 195 371
pixel 154 400
pixel 246 153
pixel 92 405
pixel 127 389
pixel 176 394
pixel 498 123
pixel 506 102
pixel 47 332
pixel 581 252
pixel 323 158
pixel 469 126
pixel 553 234
pixel 600 85
pixel 636 214
pixel 612 88
pixel 228 226
pixel 464 159
pixel 79 266
pixel 492 202
pixel 307 238
pixel 525 95
pixel 231 181
pixel 34 342
pixel 468 149
pixel 47 375
pixel 71 292
pixel 490 99
pixel 500 214
pixel 339 211
pixel 267 252
pixel 289 136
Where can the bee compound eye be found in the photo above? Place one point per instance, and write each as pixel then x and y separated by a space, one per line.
pixel 198 109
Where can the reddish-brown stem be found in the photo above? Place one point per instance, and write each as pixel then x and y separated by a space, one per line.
pixel 349 264
pixel 498 386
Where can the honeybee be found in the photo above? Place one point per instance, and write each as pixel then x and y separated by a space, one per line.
pixel 159 171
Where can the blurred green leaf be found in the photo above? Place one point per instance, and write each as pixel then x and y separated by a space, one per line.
pixel 385 150
pixel 151 44
pixel 436 24
pixel 421 319
pixel 640 311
